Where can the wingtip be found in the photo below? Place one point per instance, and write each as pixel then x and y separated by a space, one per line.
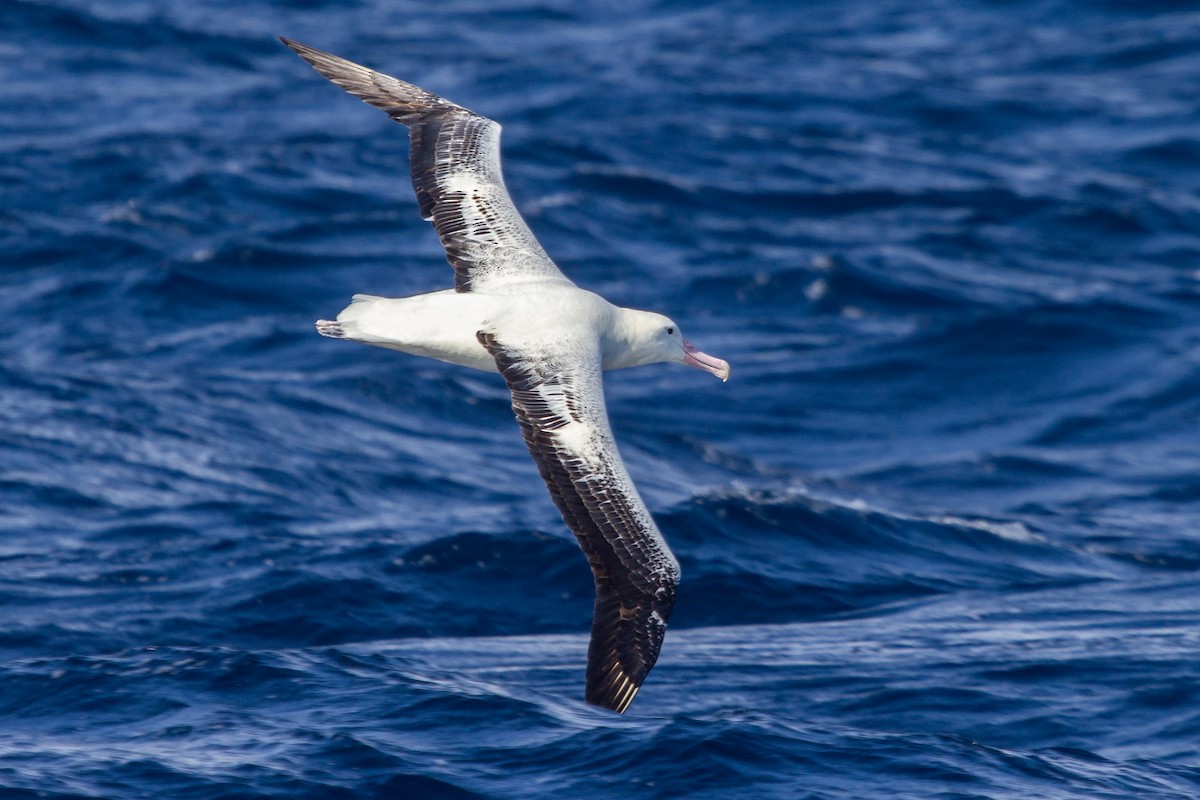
pixel 626 698
pixel 615 705
pixel 302 50
pixel 616 695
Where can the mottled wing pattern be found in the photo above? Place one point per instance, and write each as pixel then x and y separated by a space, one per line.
pixel 562 417
pixel 454 156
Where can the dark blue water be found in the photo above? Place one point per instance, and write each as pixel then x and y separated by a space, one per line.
pixel 938 534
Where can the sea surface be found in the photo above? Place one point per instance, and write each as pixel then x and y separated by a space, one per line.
pixel 939 534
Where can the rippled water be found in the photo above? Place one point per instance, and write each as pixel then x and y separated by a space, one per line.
pixel 938 533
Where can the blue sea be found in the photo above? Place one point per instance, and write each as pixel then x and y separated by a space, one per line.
pixel 939 533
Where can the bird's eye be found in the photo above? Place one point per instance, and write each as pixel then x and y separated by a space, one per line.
pixel 670 331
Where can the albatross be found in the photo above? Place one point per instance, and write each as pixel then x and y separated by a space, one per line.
pixel 512 311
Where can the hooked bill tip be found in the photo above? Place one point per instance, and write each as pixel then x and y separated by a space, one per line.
pixel 694 358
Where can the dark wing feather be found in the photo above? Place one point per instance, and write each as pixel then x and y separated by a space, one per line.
pixel 562 417
pixel 454 157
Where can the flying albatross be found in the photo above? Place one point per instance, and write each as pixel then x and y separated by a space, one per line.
pixel 512 311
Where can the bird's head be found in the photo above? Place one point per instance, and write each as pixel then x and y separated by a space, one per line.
pixel 649 338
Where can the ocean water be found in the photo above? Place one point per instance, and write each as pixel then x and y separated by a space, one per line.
pixel 938 533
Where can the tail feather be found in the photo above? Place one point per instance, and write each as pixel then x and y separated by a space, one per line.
pixel 347 324
pixel 331 329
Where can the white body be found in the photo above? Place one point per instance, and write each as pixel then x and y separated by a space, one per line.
pixel 439 325
pixel 445 325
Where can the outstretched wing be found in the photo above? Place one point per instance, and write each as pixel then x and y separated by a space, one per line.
pixel 454 156
pixel 562 417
